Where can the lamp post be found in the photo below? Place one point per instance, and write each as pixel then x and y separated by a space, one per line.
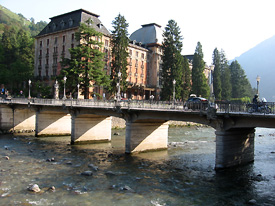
pixel 65 79
pixel 258 81
pixel 174 84
pixel 30 88
pixel 78 90
pixel 56 86
pixel 118 86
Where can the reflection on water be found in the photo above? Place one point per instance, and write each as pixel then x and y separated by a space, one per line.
pixel 181 175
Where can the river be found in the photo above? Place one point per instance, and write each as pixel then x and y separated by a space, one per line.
pixel 182 175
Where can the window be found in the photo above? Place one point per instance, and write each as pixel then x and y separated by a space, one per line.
pixel 47 61
pixel 136 54
pixel 130 52
pixel 40 52
pixel 71 22
pixel 62 23
pixel 64 39
pixel 63 48
pixel 55 49
pixel 72 37
pixel 48 42
pixel 39 62
pixel 142 55
pixel 55 40
pixel 106 43
pixel 47 51
pixel 54 26
pixel 72 46
pixel 40 43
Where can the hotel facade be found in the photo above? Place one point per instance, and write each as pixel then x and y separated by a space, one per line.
pixel 144 60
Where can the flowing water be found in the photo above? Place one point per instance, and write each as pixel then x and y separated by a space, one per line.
pixel 182 175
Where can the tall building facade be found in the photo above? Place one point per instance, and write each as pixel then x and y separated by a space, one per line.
pixel 55 40
pixel 144 60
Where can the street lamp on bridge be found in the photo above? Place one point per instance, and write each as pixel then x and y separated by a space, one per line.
pixel 118 86
pixel 258 81
pixel 78 90
pixel 30 88
pixel 174 84
pixel 65 79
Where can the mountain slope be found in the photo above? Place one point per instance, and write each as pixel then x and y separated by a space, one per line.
pixel 260 60
pixel 10 19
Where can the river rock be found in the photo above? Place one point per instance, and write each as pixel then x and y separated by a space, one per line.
pixel 34 188
pixel 252 202
pixel 87 173
pixel 95 168
pixel 52 188
pixel 126 188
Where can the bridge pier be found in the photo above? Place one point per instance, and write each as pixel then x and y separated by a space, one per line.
pixel 146 135
pixel 50 123
pixel 234 147
pixel 90 128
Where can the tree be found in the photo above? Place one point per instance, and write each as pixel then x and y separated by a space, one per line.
pixel 240 84
pixel 85 67
pixel 225 77
pixel 217 84
pixel 200 86
pixel 119 42
pixel 172 66
pixel 16 59
pixel 186 80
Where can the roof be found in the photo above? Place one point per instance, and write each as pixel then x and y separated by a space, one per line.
pixel 148 34
pixel 72 20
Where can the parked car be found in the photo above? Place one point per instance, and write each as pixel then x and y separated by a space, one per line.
pixel 196 103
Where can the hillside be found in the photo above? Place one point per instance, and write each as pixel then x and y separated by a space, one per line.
pixel 8 18
pixel 260 60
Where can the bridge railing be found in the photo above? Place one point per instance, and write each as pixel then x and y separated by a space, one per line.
pixel 221 107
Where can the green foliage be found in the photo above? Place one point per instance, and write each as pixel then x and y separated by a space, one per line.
pixel 200 86
pixel 18 21
pixel 119 44
pixel 173 62
pixel 16 59
pixel 240 84
pixel 85 67
pixel 217 84
pixel 241 100
pixel 186 80
pixel 225 77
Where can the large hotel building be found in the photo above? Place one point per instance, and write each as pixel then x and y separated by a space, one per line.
pixel 144 67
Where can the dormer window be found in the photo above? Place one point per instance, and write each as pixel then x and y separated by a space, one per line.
pixel 71 22
pixel 99 26
pixel 54 26
pixel 62 23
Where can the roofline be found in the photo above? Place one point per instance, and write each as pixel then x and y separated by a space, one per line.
pixel 151 24
pixel 83 10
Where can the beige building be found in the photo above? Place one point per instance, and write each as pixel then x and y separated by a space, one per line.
pixel 145 54
pixel 55 40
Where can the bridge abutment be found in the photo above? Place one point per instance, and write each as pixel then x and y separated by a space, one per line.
pixel 234 147
pixel 90 128
pixel 146 135
pixel 50 123
pixel 16 119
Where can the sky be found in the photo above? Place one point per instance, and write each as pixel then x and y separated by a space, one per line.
pixel 232 25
